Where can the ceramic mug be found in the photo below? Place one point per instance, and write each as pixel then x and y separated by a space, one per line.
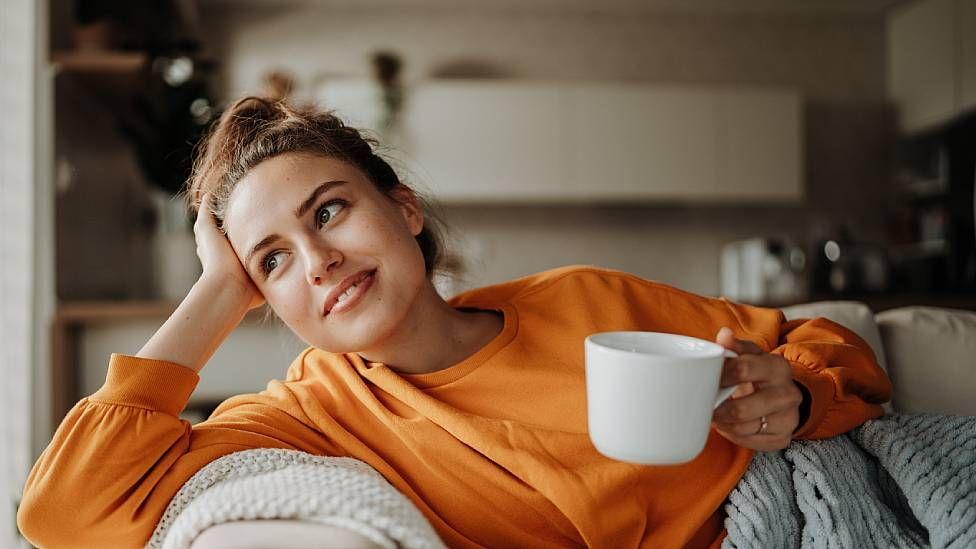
pixel 650 396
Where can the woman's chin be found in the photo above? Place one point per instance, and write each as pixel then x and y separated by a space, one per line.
pixel 357 335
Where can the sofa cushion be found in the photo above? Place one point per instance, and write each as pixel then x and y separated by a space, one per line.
pixel 853 315
pixel 931 359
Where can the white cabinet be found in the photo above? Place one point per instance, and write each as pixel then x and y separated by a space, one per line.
pixel 921 63
pixel 488 141
pixel 685 143
pixel 932 61
pixel 510 142
pixel 642 142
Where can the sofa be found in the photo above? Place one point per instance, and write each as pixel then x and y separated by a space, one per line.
pixel 929 354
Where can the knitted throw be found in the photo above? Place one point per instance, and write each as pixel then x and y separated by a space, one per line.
pixel 288 484
pixel 897 481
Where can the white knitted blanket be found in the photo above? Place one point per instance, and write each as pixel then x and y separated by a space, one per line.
pixel 897 481
pixel 288 484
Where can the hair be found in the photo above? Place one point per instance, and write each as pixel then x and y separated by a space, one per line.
pixel 255 129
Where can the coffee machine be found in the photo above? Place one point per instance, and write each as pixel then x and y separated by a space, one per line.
pixel 763 271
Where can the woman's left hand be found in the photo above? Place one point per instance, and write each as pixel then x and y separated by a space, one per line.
pixel 767 391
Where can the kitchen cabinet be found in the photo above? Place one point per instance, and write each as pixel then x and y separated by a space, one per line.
pixel 488 142
pixel 932 62
pixel 524 142
pixel 640 142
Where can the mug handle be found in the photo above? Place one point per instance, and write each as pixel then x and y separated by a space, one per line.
pixel 726 392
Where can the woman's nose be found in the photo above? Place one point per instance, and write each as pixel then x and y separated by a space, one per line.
pixel 320 264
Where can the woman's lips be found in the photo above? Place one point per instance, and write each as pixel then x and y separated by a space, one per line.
pixel 361 287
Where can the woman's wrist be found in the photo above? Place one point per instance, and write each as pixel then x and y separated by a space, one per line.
pixel 224 289
pixel 202 321
pixel 804 408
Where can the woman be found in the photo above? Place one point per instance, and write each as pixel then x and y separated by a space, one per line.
pixel 473 408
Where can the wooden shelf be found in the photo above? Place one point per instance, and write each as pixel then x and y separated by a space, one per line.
pixel 84 312
pixel 99 61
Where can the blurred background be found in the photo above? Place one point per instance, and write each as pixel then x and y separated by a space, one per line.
pixel 769 151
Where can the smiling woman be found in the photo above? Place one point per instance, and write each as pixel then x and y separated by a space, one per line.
pixel 473 408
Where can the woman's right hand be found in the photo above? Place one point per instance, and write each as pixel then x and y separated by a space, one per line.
pixel 217 255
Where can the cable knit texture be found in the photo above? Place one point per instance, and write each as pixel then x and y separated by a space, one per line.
pixel 288 484
pixel 898 481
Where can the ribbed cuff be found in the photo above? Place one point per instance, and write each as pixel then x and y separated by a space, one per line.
pixel 821 389
pixel 145 383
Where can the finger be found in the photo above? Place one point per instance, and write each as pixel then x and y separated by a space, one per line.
pixel 726 338
pixel 205 214
pixel 769 401
pixel 744 389
pixel 764 369
pixel 777 425
pixel 763 442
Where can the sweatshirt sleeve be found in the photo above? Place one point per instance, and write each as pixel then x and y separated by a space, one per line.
pixel 121 454
pixel 840 373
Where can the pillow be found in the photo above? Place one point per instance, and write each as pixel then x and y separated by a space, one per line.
pixel 853 315
pixel 932 356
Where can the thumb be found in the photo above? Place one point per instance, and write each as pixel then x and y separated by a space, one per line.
pixel 726 338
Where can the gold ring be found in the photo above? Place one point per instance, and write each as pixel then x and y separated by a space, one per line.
pixel 762 428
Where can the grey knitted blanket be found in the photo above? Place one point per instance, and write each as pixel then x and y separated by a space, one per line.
pixel 897 481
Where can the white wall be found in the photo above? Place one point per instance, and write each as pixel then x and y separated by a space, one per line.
pixel 25 290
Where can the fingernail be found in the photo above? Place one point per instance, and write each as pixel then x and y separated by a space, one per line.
pixel 723 331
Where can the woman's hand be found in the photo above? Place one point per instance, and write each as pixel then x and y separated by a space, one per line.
pixel 767 391
pixel 217 256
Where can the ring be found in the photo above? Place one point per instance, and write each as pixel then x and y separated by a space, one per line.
pixel 762 428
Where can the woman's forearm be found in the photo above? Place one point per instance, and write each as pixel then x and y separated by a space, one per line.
pixel 207 315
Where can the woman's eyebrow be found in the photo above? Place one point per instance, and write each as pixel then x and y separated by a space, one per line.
pixel 265 242
pixel 310 201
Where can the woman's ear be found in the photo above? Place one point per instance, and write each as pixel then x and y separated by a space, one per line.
pixel 410 207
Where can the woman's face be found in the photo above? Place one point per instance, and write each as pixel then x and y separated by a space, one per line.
pixel 303 224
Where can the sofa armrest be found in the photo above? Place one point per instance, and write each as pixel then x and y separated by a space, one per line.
pixel 931 359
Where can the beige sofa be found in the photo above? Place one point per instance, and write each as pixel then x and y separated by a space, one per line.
pixel 929 353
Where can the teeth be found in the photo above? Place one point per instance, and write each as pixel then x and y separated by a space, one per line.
pixel 345 294
pixel 349 291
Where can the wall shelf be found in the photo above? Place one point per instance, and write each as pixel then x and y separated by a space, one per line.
pixel 98 61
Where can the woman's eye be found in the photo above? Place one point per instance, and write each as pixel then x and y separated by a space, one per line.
pixel 271 262
pixel 328 211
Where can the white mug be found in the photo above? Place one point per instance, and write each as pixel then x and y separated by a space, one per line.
pixel 650 396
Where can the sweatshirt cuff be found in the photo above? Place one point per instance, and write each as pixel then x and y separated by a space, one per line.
pixel 146 383
pixel 821 390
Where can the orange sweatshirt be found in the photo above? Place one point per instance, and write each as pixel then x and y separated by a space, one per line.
pixel 493 450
